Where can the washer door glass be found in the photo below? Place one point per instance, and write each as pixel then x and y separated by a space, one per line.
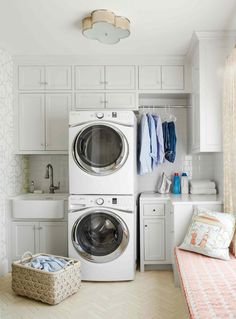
pixel 100 236
pixel 100 149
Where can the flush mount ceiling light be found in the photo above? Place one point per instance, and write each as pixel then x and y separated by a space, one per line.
pixel 104 26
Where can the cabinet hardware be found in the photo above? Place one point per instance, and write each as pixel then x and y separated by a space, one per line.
pixel 154 210
pixel 145 225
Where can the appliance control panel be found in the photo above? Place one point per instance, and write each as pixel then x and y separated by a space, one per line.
pixel 122 117
pixel 111 201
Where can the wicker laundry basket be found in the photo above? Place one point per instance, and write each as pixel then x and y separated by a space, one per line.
pixel 48 287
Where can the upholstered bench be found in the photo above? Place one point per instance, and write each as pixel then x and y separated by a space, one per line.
pixel 209 285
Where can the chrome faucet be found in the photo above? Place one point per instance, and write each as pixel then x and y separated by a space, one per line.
pixel 52 188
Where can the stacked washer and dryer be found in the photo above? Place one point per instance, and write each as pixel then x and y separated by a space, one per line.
pixel 102 202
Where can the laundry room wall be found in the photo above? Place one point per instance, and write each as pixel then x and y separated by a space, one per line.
pixel 12 167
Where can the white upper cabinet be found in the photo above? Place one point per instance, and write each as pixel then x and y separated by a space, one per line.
pixel 108 100
pixel 105 77
pixel 31 78
pixel 43 122
pixel 150 77
pixel 89 100
pixel 120 77
pixel 172 77
pixel 31 122
pixel 120 101
pixel 34 78
pixel 57 119
pixel 58 78
pixel 165 77
pixel 207 59
pixel 89 77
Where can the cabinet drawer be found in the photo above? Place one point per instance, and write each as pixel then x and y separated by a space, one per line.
pixel 154 209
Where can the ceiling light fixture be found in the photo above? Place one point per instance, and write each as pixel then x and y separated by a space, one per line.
pixel 103 25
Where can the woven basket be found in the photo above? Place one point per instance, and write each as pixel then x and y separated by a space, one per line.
pixel 48 287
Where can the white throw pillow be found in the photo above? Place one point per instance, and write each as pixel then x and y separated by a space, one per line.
pixel 210 233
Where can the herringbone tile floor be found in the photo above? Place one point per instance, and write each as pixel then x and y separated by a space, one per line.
pixel 152 295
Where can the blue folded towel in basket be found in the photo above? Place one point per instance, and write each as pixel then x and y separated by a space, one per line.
pixel 47 263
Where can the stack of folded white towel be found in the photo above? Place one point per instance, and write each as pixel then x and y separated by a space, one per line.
pixel 202 187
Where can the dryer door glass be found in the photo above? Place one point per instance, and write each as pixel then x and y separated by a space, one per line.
pixel 100 236
pixel 100 149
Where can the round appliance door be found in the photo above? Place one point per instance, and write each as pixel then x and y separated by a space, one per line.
pixel 100 236
pixel 100 149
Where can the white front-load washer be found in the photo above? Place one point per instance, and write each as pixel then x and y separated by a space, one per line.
pixel 102 152
pixel 102 235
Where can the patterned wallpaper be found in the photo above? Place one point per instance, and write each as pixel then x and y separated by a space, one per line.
pixel 12 167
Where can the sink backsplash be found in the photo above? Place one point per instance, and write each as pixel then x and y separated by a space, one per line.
pixel 37 168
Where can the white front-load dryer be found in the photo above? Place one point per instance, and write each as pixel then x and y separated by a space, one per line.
pixel 102 233
pixel 102 152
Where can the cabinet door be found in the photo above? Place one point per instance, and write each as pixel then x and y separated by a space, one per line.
pixel 120 101
pixel 89 101
pixel 24 238
pixel 57 119
pixel 89 78
pixel 172 77
pixel 58 78
pixel 31 122
pixel 120 77
pixel 150 77
pixel 31 78
pixel 53 238
pixel 154 239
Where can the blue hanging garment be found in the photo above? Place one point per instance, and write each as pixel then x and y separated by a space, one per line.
pixel 169 141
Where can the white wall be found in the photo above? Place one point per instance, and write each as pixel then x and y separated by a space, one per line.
pixel 12 167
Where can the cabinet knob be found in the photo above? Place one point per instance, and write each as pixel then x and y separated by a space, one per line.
pixel 154 210
pixel 145 225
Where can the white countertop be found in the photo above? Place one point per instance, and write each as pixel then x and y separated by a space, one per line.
pixel 182 198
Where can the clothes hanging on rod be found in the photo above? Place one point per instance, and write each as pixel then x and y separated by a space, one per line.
pixel 156 142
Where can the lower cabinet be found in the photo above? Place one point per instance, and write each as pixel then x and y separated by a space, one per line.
pixel 39 237
pixel 154 239
pixel 154 233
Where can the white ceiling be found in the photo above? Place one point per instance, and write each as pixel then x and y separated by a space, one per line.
pixel 162 27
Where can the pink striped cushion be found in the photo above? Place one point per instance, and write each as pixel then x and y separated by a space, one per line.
pixel 209 285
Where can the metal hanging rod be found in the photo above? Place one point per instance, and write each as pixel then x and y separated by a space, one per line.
pixel 161 106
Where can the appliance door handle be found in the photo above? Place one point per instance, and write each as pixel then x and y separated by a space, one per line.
pixel 74 207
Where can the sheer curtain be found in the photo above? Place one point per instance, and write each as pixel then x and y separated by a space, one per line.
pixel 229 137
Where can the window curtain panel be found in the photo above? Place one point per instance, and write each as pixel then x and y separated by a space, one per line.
pixel 229 138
